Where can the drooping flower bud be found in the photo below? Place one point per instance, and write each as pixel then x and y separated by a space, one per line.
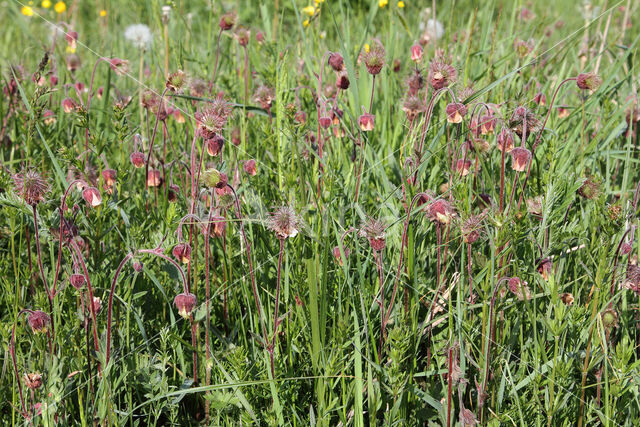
pixel 185 302
pixel 77 280
pixel 456 112
pixel 91 195
pixel 416 52
pixel 366 122
pixel 39 321
pixel 182 252
pixel 336 61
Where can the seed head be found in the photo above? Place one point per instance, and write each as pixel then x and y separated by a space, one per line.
pixel 374 231
pixel 336 61
pixel 30 185
pixel 415 82
pixel 119 66
pixel 521 117
pixel 33 381
pixel 39 321
pixel 185 303
pixel 285 222
pixel 264 95
pixel 213 178
pixel 589 189
pixel 243 35
pixel 610 318
pixel 441 73
pixel 523 48
pixel 413 106
pixel 177 81
pixel 227 21
pixel 374 58
pixel 213 118
pixel 588 81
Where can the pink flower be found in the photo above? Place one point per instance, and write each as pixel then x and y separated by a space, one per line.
pixel 91 195
pixel 416 52
pixel 520 158
pixel 366 122
pixel 250 167
pixel 182 252
pixel 185 303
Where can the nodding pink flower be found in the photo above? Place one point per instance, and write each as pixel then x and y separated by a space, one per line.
pixel 73 62
pixel 374 58
pixel 213 178
pixel 137 266
pixel 520 158
pixel 441 73
pixel 100 92
pixel 154 178
pixel 185 303
pixel 97 305
pixel 301 117
pixel 540 99
pixel 522 117
pixel 72 37
pixel 214 145
pixel 544 267
pixel 463 167
pixel 109 176
pixel 338 256
pixel 119 66
pixel 519 288
pixel 213 117
pixel 33 381
pixel 505 140
pixel 342 80
pixel 260 37
pixel 588 81
pixel 227 21
pixel 69 105
pixel 336 115
pixel 336 61
pixel 456 112
pixel 218 226
pixel 182 252
pixel 625 249
pixel 374 231
pixel 31 186
pixel 366 121
pixel 79 86
pixel 53 80
pixel 324 122
pixel 416 52
pixel 441 211
pixel 415 82
pixel 563 112
pixel 137 159
pixel 264 95
pixel 285 222
pixel 77 280
pixel 39 321
pixel 243 35
pixel 250 167
pixel 172 193
pixel 91 195
pixel 487 124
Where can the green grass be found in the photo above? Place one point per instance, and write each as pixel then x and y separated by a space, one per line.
pixel 549 353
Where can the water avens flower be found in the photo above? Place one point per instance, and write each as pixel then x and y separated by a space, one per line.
pixel 33 380
pixel 185 303
pixel 137 159
pixel 336 61
pixel 31 186
pixel 177 81
pixel 249 167
pixel 77 281
pixel 214 145
pixel 520 158
pixel 441 211
pixel 227 21
pixel 588 81
pixel 416 52
pixel 119 66
pixel 39 321
pixel 285 222
pixel 213 178
pixel 154 178
pixel 441 73
pixel 455 112
pixel 338 256
pixel 366 122
pixel 374 231
pixel 505 140
pixel 91 195
pixel 182 252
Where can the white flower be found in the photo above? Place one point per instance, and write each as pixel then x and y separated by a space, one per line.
pixel 435 29
pixel 139 34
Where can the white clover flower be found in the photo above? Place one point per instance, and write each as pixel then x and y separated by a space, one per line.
pixel 139 35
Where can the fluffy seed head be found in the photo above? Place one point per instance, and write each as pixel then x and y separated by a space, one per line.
pixel 441 73
pixel 227 21
pixel 374 58
pixel 32 380
pixel 30 185
pixel 177 81
pixel 285 222
pixel 374 231
pixel 139 35
pixel 588 81
pixel 213 118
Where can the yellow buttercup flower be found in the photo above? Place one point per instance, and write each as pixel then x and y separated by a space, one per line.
pixel 383 3
pixel 70 49
pixel 46 4
pixel 60 7
pixel 366 47
pixel 305 24
pixel 309 10
pixel 103 13
pixel 319 2
pixel 27 11
pixel 400 4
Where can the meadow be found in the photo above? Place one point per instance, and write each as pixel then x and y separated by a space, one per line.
pixel 319 212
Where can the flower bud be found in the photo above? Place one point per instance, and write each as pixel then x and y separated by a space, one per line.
pixel 185 302
pixel 182 252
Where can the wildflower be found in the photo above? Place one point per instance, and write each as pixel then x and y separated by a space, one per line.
pixel 467 417
pixel 632 280
pixel 214 145
pixel 382 3
pixel 413 106
pixel 534 207
pixel 218 226
pixel 119 66
pixel 540 99
pixel 285 222
pixel 455 112
pixel 400 4
pixel 441 211
pixel 60 7
pixel 213 118
pixel 589 189
pixel 523 48
pixel 137 266
pixel 172 193
pixel 137 159
pixel 39 321
pixel 588 81
pixel 336 61
pixel 374 231
pixel 309 10
pixel 566 298
pixel 97 305
pixel 27 10
pixel 522 118
pixel 213 178
pixel 227 21
pixel 73 62
pixel 366 121
pixel 264 95
pixel 243 35
pixel 91 195
pixel 182 252
pixel 416 52
pixel 519 288
pixel 324 122
pixel 563 112
pixel 109 176
pixel 544 267
pixel 463 166
pixel 154 178
pixel 625 248
pixel 342 80
pixel 471 228
pixel 33 380
pixel 72 39
pixel 305 23
pixel 610 319
pixel 103 13
pixel 139 35
pixel 250 167
pixel 505 140
pixel 338 257
pixel 176 81
pixel 31 186
pixel 520 157
pixel 185 303
pixel 441 74
pixel 301 117
pixel 53 80
pixel 374 58
pixel 77 280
